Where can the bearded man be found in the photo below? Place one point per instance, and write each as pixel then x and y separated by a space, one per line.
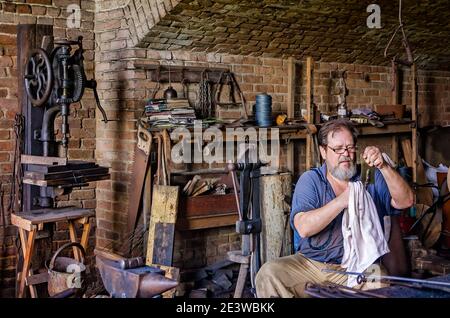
pixel 319 201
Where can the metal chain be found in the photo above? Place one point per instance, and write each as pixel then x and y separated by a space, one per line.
pixel 204 104
pixel 16 182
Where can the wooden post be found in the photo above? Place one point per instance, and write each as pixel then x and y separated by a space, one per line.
pixel 29 37
pixel 395 84
pixel 415 121
pixel 395 101
pixel 309 114
pixel 291 111
pixel 394 148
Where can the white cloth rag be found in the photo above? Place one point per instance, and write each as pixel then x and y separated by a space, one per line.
pixel 364 240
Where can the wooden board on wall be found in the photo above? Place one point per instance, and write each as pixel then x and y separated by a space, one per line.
pixel 162 225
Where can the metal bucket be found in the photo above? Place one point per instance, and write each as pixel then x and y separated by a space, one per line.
pixel 65 273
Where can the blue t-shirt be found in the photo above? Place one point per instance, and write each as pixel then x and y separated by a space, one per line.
pixel 314 191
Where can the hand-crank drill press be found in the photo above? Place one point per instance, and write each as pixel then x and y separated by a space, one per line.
pixel 52 82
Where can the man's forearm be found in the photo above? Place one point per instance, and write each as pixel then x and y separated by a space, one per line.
pixel 401 193
pixel 312 222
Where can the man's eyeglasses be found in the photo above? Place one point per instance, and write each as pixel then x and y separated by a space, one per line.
pixel 341 150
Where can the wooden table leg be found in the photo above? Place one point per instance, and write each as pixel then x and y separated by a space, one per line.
pixel 28 251
pixel 23 241
pixel 73 238
pixel 85 235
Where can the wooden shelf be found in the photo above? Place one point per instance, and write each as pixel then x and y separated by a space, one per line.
pixel 191 74
pixel 389 128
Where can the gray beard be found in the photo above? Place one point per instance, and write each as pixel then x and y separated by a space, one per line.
pixel 343 174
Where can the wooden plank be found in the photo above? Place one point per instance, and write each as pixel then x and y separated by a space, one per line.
pixel 207 222
pixel 394 149
pixel 62 182
pixel 290 111
pixel 276 232
pixel 72 174
pixel 407 152
pixel 21 223
pixel 164 235
pixel 50 215
pixel 164 210
pixel 193 74
pixel 40 160
pixel 29 36
pixel 309 116
pixel 387 129
pixel 70 166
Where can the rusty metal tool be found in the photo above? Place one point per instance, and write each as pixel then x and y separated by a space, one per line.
pixel 128 263
pixel 141 158
pixel 367 173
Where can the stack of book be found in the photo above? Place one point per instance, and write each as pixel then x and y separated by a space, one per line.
pixel 169 113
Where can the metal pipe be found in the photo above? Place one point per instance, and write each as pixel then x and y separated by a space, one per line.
pixel 47 131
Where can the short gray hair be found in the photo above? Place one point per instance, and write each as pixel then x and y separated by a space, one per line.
pixel 336 125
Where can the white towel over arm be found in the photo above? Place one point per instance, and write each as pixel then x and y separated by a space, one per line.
pixel 364 240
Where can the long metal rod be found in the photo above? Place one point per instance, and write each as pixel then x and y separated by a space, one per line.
pixel 390 278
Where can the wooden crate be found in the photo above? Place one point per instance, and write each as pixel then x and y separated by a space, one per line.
pixel 207 211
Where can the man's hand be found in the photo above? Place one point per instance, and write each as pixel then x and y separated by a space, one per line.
pixel 372 155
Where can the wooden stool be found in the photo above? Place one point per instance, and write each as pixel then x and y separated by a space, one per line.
pixel 33 221
pixel 244 260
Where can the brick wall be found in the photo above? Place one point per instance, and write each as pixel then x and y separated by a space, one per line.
pixel 82 127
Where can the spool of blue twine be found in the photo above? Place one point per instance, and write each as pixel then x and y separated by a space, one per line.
pixel 263 110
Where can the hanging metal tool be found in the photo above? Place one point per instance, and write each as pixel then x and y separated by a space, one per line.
pixel 204 107
pixel 227 78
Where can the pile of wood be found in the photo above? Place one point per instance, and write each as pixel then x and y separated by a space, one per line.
pixel 200 185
